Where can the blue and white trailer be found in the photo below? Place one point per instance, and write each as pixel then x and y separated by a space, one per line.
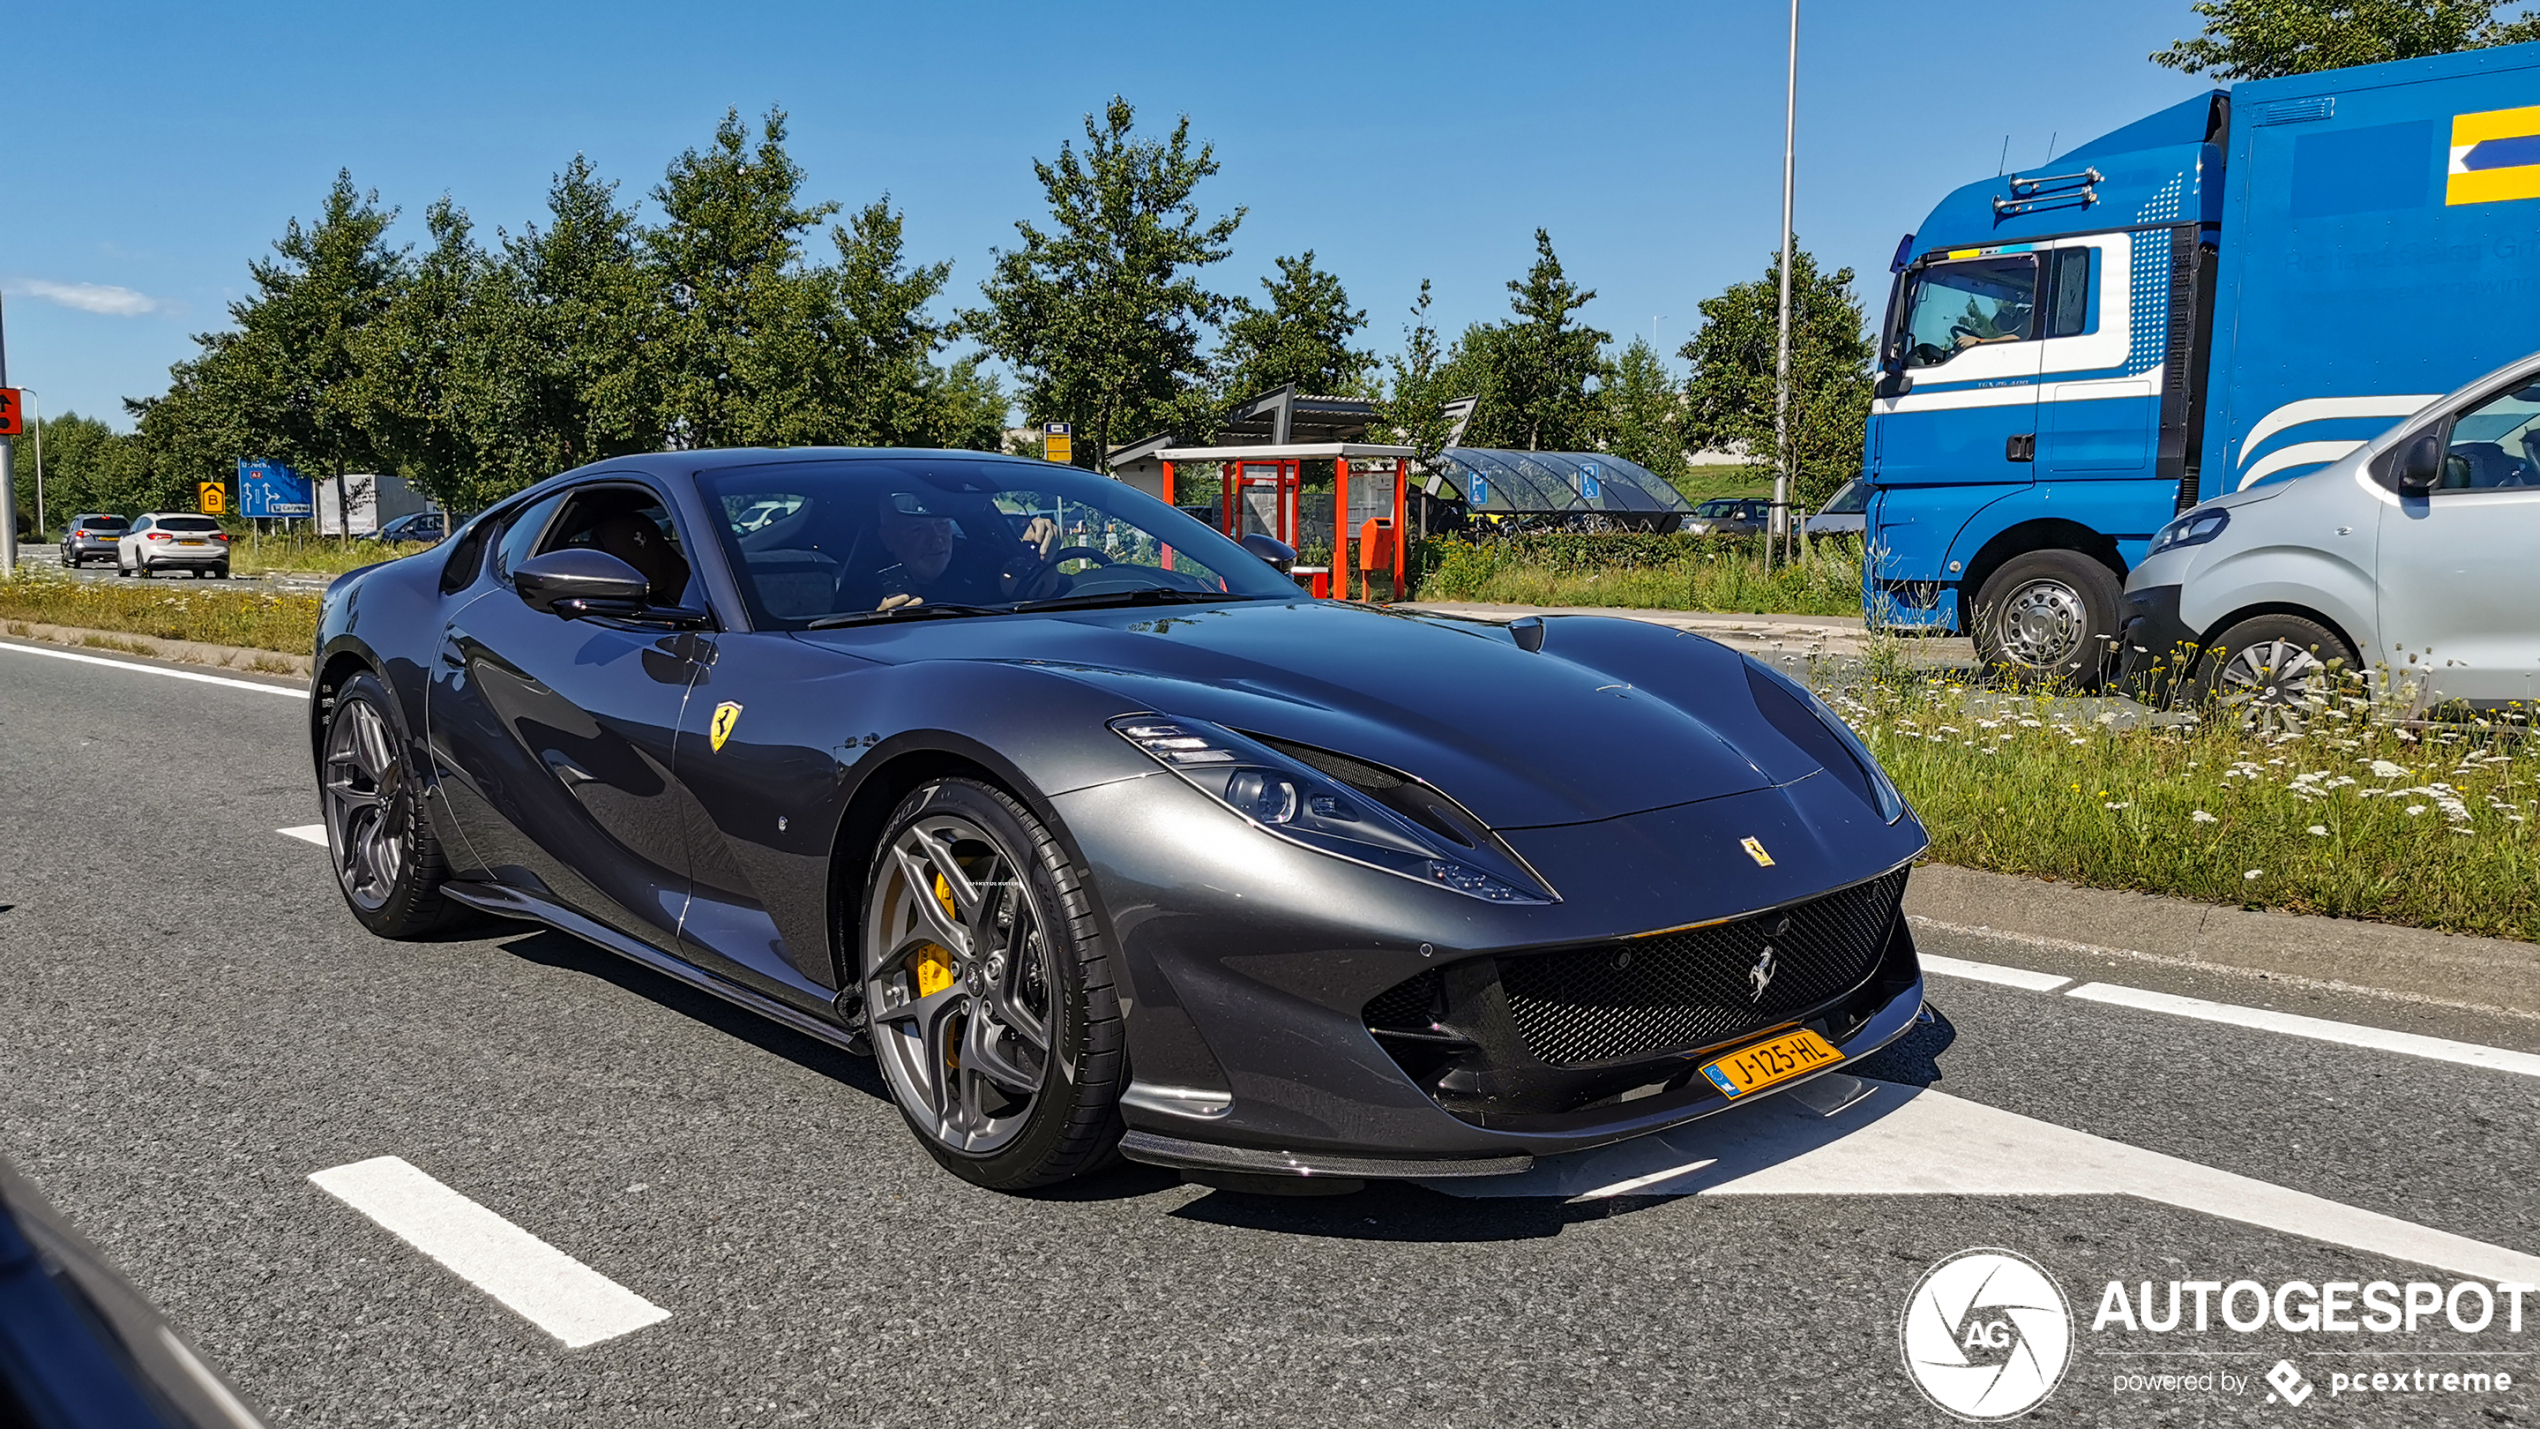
pixel 2237 289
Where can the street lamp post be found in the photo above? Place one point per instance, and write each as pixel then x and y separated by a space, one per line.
pixel 1780 526
pixel 8 486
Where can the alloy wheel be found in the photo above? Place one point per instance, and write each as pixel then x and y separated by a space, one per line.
pixel 2040 626
pixel 2271 686
pixel 959 985
pixel 365 789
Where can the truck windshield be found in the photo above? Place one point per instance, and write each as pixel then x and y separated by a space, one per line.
pixel 1961 305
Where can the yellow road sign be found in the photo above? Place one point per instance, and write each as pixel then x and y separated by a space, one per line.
pixel 1058 442
pixel 214 497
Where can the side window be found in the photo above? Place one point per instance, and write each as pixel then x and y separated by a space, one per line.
pixel 2068 292
pixel 521 534
pixel 141 525
pixel 1961 305
pixel 2495 444
pixel 466 558
pixel 631 524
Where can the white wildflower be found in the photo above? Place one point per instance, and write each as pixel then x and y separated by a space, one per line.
pixel 2415 809
pixel 2253 873
pixel 2384 769
pixel 2200 816
pixel 2319 831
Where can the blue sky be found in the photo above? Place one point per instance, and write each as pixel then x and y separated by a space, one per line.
pixel 154 150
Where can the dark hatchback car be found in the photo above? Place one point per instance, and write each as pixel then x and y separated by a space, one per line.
pixel 424 526
pixel 1099 834
pixel 91 536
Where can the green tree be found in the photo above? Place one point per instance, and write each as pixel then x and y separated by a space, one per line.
pixel 1302 336
pixel 2262 39
pixel 576 303
pixel 287 383
pixel 1730 396
pixel 78 454
pixel 1419 383
pixel 736 338
pixel 1536 375
pixel 1643 412
pixel 434 365
pixel 1102 314
pixel 881 384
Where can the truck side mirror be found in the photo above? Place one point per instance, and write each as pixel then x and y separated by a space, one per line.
pixel 1893 384
pixel 2420 464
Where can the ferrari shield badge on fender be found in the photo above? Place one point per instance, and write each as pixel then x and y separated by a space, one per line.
pixel 1754 847
pixel 728 714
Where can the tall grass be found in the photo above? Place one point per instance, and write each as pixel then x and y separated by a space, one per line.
pixel 2355 814
pixel 213 613
pixel 300 552
pixel 1643 573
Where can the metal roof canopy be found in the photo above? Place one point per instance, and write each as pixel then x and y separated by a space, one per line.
pixel 1290 451
pixel 1286 416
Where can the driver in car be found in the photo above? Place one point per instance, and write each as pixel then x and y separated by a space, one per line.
pixel 917 531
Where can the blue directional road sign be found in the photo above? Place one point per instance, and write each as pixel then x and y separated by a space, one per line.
pixel 268 488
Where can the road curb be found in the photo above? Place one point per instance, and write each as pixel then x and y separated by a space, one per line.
pixel 2067 919
pixel 240 658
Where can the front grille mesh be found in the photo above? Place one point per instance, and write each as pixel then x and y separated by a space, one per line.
pixel 1641 996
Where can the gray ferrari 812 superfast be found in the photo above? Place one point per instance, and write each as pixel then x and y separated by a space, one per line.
pixel 1101 836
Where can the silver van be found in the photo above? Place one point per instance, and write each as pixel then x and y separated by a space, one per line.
pixel 2414 559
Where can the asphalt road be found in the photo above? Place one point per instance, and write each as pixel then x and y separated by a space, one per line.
pixel 193 1025
pixel 49 556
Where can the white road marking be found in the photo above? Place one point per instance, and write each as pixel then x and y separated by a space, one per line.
pixel 307 833
pixel 1988 972
pixel 1907 1141
pixel 2293 1024
pixel 155 670
pixel 549 1288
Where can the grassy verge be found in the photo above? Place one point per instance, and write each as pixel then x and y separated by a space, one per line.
pixel 2352 816
pixel 1642 572
pixel 312 555
pixel 215 614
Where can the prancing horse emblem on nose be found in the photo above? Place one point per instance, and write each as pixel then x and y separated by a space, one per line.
pixel 1762 973
pixel 1755 850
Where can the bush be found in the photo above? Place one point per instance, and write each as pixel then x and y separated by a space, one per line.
pixel 1638 571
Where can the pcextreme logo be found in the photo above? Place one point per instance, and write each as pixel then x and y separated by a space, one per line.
pixel 1986 1335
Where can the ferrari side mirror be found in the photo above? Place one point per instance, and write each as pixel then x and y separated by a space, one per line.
pixel 2420 464
pixel 594 582
pixel 1278 555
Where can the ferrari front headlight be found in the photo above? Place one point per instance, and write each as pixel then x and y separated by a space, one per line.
pixel 1283 798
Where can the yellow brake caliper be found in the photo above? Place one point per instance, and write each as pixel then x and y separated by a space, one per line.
pixel 935 967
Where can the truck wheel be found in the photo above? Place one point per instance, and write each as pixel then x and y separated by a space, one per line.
pixel 2271 674
pixel 2048 617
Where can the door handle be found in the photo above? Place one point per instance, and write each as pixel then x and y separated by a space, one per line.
pixel 2020 448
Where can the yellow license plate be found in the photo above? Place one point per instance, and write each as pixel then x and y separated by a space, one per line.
pixel 1755 1067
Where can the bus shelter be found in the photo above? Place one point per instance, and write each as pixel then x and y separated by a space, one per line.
pixel 1275 489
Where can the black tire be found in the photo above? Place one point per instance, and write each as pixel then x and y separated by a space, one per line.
pixel 2048 618
pixel 2263 673
pixel 958 1057
pixel 220 573
pixel 388 863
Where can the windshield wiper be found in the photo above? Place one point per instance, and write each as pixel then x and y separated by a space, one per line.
pixel 1151 595
pixel 921 611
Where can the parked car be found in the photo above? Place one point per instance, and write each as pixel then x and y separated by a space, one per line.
pixel 91 536
pixel 1118 841
pixel 2410 560
pixel 80 1348
pixel 1846 513
pixel 1730 516
pixel 173 541
pixel 424 526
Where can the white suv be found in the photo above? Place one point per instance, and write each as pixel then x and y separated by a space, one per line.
pixel 173 541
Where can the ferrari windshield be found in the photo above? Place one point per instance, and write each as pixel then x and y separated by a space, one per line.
pixel 834 542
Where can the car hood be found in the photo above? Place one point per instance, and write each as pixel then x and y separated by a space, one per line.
pixel 1611 717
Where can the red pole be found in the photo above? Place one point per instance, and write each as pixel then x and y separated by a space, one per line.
pixel 1340 525
pixel 1168 483
pixel 1401 500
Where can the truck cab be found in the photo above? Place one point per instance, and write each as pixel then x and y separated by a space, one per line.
pixel 2035 418
pixel 2239 289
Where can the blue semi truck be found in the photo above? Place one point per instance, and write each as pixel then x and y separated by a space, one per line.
pixel 2237 289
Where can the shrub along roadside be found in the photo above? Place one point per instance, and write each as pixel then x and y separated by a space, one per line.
pixel 2352 816
pixel 1638 571
pixel 215 614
